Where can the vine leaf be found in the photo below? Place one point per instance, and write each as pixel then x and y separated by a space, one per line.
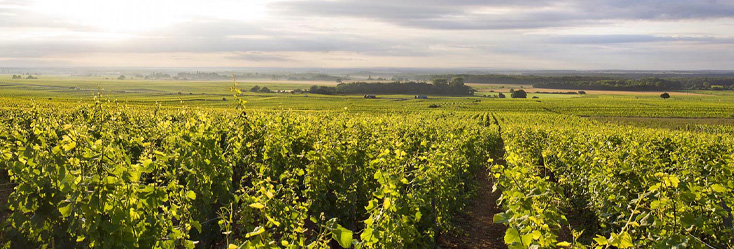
pixel 343 236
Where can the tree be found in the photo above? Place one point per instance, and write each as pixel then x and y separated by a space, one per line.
pixel 265 90
pixel 582 92
pixel 122 77
pixel 457 82
pixel 665 95
pixel 519 94
pixel 255 89
pixel 502 96
pixel 322 90
pixel 439 82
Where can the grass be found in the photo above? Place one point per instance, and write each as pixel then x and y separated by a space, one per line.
pixel 66 90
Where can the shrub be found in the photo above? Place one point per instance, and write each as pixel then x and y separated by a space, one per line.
pixel 519 94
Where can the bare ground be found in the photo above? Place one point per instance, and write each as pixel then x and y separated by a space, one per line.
pixel 477 228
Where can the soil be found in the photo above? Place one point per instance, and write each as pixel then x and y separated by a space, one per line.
pixel 477 228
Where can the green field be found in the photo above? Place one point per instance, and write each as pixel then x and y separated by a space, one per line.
pixel 63 90
pixel 94 162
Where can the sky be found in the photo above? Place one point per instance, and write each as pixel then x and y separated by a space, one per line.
pixel 491 34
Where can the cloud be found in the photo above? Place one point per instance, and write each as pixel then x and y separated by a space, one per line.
pixel 206 36
pixel 626 38
pixel 259 56
pixel 344 59
pixel 14 16
pixel 481 15
pixel 450 33
pixel 20 14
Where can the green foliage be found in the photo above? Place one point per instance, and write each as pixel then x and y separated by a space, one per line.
pixel 113 175
pixel 109 176
pixel 439 87
pixel 519 94
pixel 457 82
pixel 440 82
pixel 644 188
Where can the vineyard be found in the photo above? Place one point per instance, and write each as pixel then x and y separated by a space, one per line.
pixel 569 182
pixel 353 124
pixel 106 176
pixel 341 173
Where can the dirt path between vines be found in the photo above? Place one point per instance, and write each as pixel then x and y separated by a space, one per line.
pixel 476 224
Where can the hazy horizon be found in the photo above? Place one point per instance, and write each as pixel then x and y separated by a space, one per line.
pixel 433 34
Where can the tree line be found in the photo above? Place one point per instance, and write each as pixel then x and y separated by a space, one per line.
pixel 438 86
pixel 644 84
pixel 602 82
pixel 20 77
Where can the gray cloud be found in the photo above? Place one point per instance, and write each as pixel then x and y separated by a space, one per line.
pixel 622 38
pixel 344 59
pixel 444 32
pixel 466 14
pixel 662 9
pixel 259 56
pixel 432 14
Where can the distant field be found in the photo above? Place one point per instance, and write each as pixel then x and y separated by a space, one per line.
pixel 64 90
pixel 483 88
pixel 66 86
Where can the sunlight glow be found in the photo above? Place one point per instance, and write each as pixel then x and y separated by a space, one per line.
pixel 145 15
